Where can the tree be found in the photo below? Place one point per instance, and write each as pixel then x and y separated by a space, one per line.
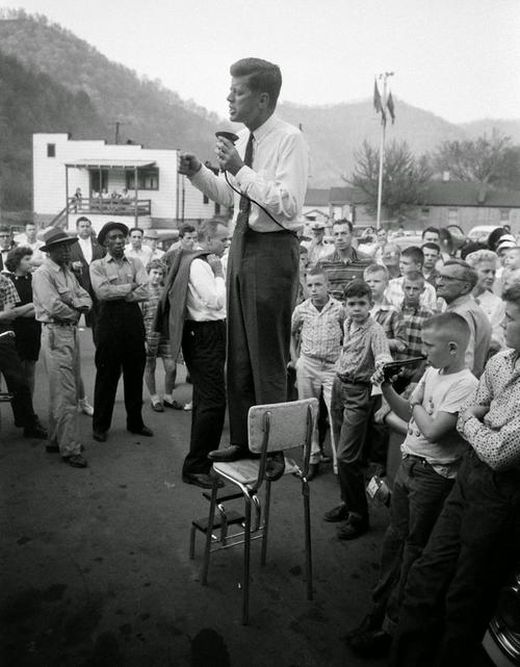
pixel 404 177
pixel 492 161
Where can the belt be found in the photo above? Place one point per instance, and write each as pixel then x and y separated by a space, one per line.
pixel 60 323
pixel 421 459
pixel 349 380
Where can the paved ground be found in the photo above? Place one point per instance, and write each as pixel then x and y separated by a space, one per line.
pixel 96 570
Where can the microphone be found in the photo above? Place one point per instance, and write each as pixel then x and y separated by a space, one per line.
pixel 230 136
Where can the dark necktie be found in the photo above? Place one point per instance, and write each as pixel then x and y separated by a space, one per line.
pixel 245 204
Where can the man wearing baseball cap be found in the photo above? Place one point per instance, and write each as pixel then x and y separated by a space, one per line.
pixel 59 301
pixel 119 283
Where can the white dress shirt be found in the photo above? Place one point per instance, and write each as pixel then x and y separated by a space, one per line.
pixel 86 248
pixel 144 254
pixel 277 179
pixel 206 293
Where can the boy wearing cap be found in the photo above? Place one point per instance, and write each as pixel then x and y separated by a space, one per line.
pixel 59 301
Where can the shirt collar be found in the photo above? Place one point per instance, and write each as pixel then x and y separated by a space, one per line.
pixel 108 258
pixel 265 128
pixel 52 265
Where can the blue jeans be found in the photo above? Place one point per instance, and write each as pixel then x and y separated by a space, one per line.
pixel 452 589
pixel 417 500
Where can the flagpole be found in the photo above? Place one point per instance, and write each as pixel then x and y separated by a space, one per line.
pixel 382 149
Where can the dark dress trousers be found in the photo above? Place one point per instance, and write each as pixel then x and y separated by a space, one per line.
pixel 83 277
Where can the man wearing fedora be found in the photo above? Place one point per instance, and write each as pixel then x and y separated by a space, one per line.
pixel 59 301
pixel 119 283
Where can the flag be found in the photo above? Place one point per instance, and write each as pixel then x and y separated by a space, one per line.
pixel 390 107
pixel 378 105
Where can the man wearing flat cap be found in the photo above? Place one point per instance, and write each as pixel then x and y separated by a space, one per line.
pixel 119 283
pixel 59 301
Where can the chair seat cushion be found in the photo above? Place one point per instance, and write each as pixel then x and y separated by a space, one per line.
pixel 245 471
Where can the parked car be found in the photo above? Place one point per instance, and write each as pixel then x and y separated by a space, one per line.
pixel 480 233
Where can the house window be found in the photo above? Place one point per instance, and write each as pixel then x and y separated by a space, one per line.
pixel 99 180
pixel 147 179
pixel 453 216
pixel 205 199
pixel 51 150
pixel 425 212
pixel 504 214
pixel 217 209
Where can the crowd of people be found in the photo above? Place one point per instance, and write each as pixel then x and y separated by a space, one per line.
pixel 422 341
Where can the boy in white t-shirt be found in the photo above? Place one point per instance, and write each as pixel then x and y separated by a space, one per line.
pixel 431 454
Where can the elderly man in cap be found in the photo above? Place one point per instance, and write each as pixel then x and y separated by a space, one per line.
pixel 119 283
pixel 316 248
pixel 59 300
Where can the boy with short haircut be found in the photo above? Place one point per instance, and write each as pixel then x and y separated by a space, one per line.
pixel 365 347
pixel 156 344
pixel 318 324
pixel 411 261
pixel 411 319
pixel 383 312
pixel 431 454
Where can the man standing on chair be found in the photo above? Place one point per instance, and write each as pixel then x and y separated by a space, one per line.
pixel 266 179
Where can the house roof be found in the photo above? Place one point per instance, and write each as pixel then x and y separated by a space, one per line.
pixel 459 193
pixel 96 163
pixel 347 195
pixel 317 197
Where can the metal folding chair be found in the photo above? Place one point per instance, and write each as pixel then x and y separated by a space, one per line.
pixel 272 428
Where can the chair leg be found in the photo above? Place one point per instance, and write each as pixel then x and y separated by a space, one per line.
pixel 247 554
pixel 209 534
pixel 192 542
pixel 308 546
pixel 263 556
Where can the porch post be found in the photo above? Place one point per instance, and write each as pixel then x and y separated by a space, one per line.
pixel 67 194
pixel 135 201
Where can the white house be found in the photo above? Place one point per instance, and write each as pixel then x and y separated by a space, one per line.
pixel 139 186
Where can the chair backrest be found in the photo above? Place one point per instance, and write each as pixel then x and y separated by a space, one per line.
pixel 287 424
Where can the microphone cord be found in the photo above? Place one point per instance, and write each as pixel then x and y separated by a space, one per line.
pixel 243 194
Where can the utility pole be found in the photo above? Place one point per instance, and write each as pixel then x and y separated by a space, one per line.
pixel 384 77
pixel 117 125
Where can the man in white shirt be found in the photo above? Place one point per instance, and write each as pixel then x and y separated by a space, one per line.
pixel 204 351
pixel 266 178
pixel 136 249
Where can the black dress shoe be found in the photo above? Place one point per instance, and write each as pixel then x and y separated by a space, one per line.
pixel 339 513
pixel 144 430
pixel 202 479
pixel 100 436
pixel 353 529
pixel 35 431
pixel 274 466
pixel 231 453
pixel 76 461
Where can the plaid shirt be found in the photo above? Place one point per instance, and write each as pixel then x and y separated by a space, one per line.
pixel 388 317
pixel 321 331
pixel 364 345
pixel 8 297
pixel 395 294
pixel 411 320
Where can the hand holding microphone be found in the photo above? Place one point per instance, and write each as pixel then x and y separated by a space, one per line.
pixel 227 156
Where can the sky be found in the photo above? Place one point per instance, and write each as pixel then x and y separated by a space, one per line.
pixel 459 59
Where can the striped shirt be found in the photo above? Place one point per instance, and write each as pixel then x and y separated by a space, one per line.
pixel 8 299
pixel 388 317
pixel 321 331
pixel 496 438
pixel 364 345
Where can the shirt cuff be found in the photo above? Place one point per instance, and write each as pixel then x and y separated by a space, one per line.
pixel 471 427
pixel 200 177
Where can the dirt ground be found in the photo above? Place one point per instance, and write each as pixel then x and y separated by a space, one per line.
pixel 95 567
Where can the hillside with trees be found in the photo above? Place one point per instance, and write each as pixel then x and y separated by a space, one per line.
pixel 51 80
